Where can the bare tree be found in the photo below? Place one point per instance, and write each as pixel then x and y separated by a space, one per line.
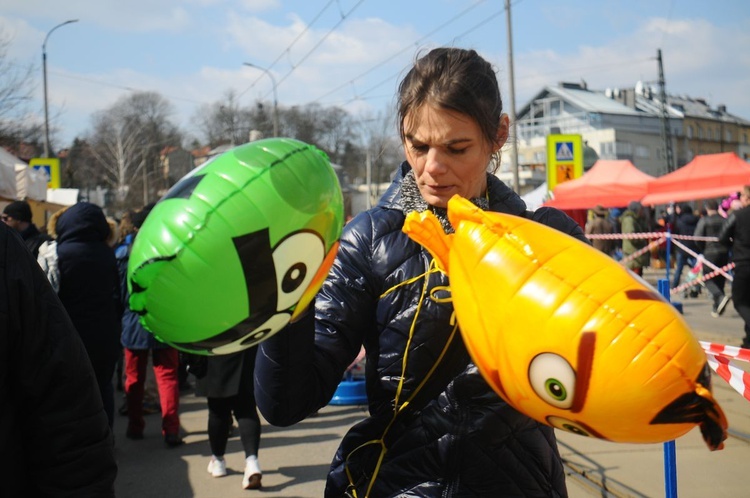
pixel 126 142
pixel 380 139
pixel 17 85
pixel 225 121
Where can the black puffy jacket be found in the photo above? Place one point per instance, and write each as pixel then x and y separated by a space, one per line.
pixel 455 437
pixel 54 435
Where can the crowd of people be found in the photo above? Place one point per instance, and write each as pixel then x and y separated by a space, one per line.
pixel 435 427
pixel 705 237
pixel 84 256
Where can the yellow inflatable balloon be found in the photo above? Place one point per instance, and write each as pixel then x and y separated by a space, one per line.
pixel 566 335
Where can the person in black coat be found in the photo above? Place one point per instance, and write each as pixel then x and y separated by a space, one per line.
pixel 89 288
pixel 17 215
pixel 715 252
pixel 227 382
pixel 736 234
pixel 54 435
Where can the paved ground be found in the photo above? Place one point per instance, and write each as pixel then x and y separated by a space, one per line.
pixel 295 459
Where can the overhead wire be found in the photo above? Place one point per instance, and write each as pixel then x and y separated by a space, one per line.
pixel 399 52
pixel 364 94
pixel 318 44
pixel 286 51
pixel 394 75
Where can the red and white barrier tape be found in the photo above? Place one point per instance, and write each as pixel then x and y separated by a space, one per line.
pixel 644 235
pixel 699 256
pixel 720 360
pixel 723 271
pixel 651 245
pixel 648 235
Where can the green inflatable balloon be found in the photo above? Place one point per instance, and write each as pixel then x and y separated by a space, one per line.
pixel 237 246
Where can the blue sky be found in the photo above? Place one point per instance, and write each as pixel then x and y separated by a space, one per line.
pixel 352 52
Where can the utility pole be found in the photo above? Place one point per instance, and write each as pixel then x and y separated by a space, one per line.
pixel 513 136
pixel 666 133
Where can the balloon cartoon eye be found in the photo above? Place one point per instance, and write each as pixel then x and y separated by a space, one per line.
pixel 553 379
pixel 296 259
pixel 568 425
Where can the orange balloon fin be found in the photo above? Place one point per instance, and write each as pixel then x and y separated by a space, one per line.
pixel 425 229
pixel 460 209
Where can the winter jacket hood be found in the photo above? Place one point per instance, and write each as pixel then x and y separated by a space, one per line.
pixel 82 222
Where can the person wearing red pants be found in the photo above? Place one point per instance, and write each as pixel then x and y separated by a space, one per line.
pixel 138 343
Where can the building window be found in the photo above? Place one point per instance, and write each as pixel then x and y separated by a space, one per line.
pixel 728 135
pixel 700 133
pixel 690 131
pixel 624 149
pixel 642 152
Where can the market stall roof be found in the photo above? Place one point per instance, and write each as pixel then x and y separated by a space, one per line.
pixel 609 183
pixel 705 177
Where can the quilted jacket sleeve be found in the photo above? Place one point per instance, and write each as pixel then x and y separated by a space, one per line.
pixel 54 435
pixel 299 368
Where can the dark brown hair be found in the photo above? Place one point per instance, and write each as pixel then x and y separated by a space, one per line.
pixel 455 79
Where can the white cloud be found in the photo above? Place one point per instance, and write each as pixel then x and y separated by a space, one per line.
pixel 360 62
pixel 130 16
pixel 699 59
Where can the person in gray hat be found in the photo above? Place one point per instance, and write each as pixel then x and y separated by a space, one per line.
pixel 17 215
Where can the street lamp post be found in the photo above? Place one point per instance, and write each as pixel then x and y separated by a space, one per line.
pixel 44 70
pixel 275 101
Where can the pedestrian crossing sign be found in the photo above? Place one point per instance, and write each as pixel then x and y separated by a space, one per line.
pixel 564 151
pixel 564 159
pixel 50 166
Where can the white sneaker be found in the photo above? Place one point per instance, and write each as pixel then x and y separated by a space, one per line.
pixel 253 475
pixel 217 467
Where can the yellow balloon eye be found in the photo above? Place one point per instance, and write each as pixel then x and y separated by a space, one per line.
pixel 553 379
pixel 556 390
pixel 293 259
pixel 567 425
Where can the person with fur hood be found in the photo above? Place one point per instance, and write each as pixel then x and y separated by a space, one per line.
pixel 80 264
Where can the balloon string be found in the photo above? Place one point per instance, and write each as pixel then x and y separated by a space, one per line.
pixel 398 409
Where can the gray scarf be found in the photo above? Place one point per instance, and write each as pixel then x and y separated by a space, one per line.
pixel 412 200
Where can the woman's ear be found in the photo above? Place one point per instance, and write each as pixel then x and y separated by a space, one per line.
pixel 502 131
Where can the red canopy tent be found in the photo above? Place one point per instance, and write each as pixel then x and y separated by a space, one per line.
pixel 607 183
pixel 706 176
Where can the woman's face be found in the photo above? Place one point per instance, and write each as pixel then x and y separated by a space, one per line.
pixel 448 153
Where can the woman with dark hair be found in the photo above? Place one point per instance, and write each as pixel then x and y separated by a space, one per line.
pixel 435 427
